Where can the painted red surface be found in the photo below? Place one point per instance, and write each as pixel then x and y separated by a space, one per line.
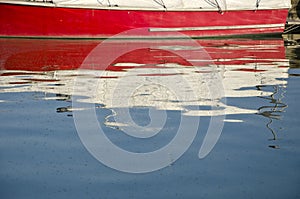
pixel 38 21
pixel 49 55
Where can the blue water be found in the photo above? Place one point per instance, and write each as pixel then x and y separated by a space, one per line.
pixel 256 155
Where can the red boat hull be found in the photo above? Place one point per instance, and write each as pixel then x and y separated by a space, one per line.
pixel 44 21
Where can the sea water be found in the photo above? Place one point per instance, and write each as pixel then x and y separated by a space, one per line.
pixel 149 118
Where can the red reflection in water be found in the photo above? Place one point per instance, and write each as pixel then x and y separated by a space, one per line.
pixel 50 55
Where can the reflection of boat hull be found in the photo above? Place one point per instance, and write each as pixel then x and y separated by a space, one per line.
pixel 148 73
pixel 51 55
pixel 47 20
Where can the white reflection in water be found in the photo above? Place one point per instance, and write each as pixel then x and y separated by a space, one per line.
pixel 150 93
pixel 243 65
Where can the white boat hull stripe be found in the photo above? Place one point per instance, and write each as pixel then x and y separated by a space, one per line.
pixel 217 28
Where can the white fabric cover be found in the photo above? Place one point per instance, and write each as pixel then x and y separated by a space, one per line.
pixel 183 4
pixel 176 4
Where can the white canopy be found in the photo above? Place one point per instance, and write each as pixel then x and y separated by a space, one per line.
pixel 181 4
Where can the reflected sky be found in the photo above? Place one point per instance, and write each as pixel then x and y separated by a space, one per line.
pixel 246 82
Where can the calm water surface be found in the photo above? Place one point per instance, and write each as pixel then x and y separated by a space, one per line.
pixel 242 93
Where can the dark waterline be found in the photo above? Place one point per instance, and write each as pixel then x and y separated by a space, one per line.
pixel 256 156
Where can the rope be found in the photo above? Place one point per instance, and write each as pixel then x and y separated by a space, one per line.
pixel 210 3
pixel 161 2
pixel 215 4
pixel 219 7
pixel 99 2
pixel 257 3
pixel 108 2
